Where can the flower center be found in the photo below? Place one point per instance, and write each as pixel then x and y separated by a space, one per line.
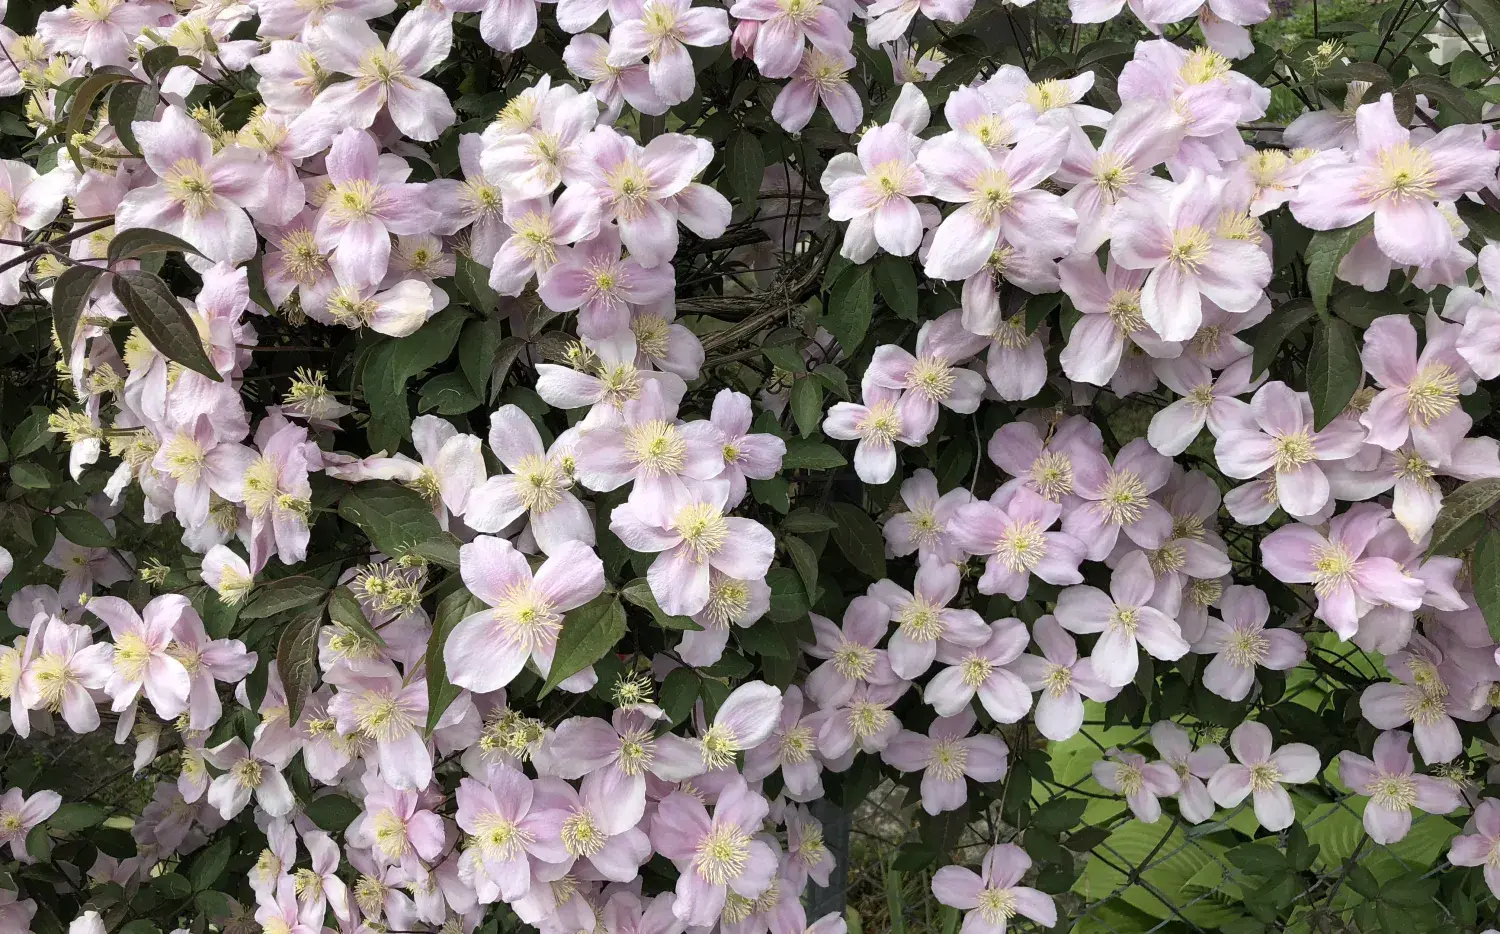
pixel 132 654
pixel 53 678
pixel 1124 619
pixel 975 670
pixel 947 759
pixel 381 66
pixel 249 773
pixel 854 661
pixel 656 448
pixel 637 751
pixel 993 194
pixel 1394 792
pixel 1168 558
pixel 1333 567
pixel 1051 476
pixel 1292 451
pixel 1204 65
pixel 527 618
pixel 1202 593
pixel 1047 95
pixel 1246 649
pixel 1414 467
pixel 620 383
pixel 188 184
pixel 920 620
pixel 1401 172
pixel 352 201
pixel 632 188
pixel 540 483
pixel 1021 546
pixel 722 854
pixel 889 179
pixel 390 835
pixel 796 745
pixel 533 235
pixel 652 335
pixel 500 837
pixel 703 529
pixel 1130 779
pixel 1112 174
pixel 1058 680
pixel 727 601
pixel 882 423
pixel 990 129
pixel 1124 499
pixel 996 906
pixel 301 258
pixel 1264 776
pixel 1433 394
pixel 1190 248
pixel 931 377
pixel 719 746
pixel 382 717
pixel 1124 310
pixel 581 836
pixel 867 718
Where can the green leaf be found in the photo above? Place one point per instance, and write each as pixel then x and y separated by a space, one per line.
pixel 128 103
pixel 894 902
pixel 1267 337
pixel 1467 68
pixel 441 692
pixel 278 596
pixel 789 601
pixel 1361 308
pixel 208 865
pixel 31 434
pixel 140 241
pixel 162 319
pixel 783 347
pixel 807 404
pixel 1324 252
pixel 587 634
pixel 39 843
pixel 478 347
pixel 75 816
pixel 344 609
pixel 80 108
pixel 850 305
pixel 1038 307
pixel 802 454
pixel 805 521
pixel 745 166
pixel 448 394
pixel 1059 815
pixel 164 58
pixel 1259 859
pixel 678 693
pixel 638 592
pixel 395 519
pixel 473 281
pixel 860 539
pixel 84 528
pixel 332 812
pixel 30 476
pixel 69 294
pixel 1334 371
pixel 1486 573
pixel 1466 502
pixel 805 560
pixel 898 285
pixel 296 659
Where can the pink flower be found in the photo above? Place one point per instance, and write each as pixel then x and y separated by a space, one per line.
pixel 367 202
pixel 626 744
pixel 203 458
pixel 784 25
pixel 288 19
pixel 1419 395
pixel 201 195
pixel 1141 782
pixel 1348 583
pixel 821 77
pixel 1399 182
pixel 923 619
pixel 1189 258
pixel 933 377
pixel 1043 459
pixel 244 775
pixel 1482 847
pixel 1111 306
pixel 497 811
pixel 208 661
pixel 504 25
pixel 1140 137
pixel 529 162
pixel 1011 529
pixel 926 525
pixel 100 33
pixel 1283 441
pixel 595 823
pixel 293 262
pixel 593 279
pixel 1125 618
pixel 660 32
pixel 1063 679
pixel 754 456
pixel 1240 643
pixel 538 487
pixel 142 661
pixel 877 424
pixel 1206 400
pixel 944 757
pixel 1192 767
pixel 873 190
pixel 537 230
pixel 607 377
pixel 643 190
pixel 714 854
pixel 386 76
pixel 792 749
pixel 278 496
pixel 1261 772
pixel 746 719
pixel 37 199
pixel 1115 499
pixel 20 813
pixel 64 672
pixel 587 56
pixel 991 897
pixel 982 670
pixel 659 456
pixel 1393 787
pixel 281 912
pixel 850 653
pixel 696 538
pixel 862 723
pixel 730 602
pixel 389 711
pixel 890 19
pixel 999 197
pixel 486 650
pixel 1426 695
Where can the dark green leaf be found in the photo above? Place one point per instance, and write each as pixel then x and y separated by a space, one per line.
pixel 789 601
pixel 851 302
pixel 84 528
pixel 1486 575
pixel 69 294
pixel 587 634
pixel 1059 815
pixel 807 404
pixel 477 349
pixel 810 455
pixel 80 108
pixel 1038 307
pixel 805 560
pixel 860 539
pixel 805 521
pixel 162 319
pixel 129 103
pixel 448 394
pixel 344 609
pixel 440 691
pixel 678 693
pixel 638 592
pixel 1361 308
pixel 1324 252
pixel 898 285
pixel 278 596
pixel 297 657
pixel 745 166
pixel 473 281
pixel 75 816
pixel 140 241
pixel 394 518
pixel 1334 371
pixel 761 639
pixel 1267 337
pixel 31 434
pixel 30 476
pixel 1466 502
pixel 208 865
pixel 1259 859
pixel 39 843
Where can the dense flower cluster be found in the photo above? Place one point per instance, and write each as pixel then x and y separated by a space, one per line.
pixel 1083 253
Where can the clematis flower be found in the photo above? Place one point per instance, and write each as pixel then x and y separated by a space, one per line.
pixel 714 855
pixel 991 897
pixel 606 378
pixel 33 202
pixel 982 670
pixel 1112 320
pixel 945 756
pixel 1348 582
pixel 389 713
pixel 142 662
pixel 1240 643
pixel 19 813
pixel 1261 772
pixel 877 424
pixel 783 26
pixel 873 190
pixel 587 56
pixel 287 19
pixel 1399 182
pixel 387 76
pixel 1419 395
pixel 1063 679
pixel 1189 257
pixel 791 749
pixel 208 661
pixel 529 162
pixel 1425 695
pixel 746 456
pixel 821 77
pixel 850 653
pixel 101 32
pixel 1042 458
pixel 1141 136
pixel 890 19
pixel 1206 400
pixel 1125 617
pixel 1011 528
pixel 744 721
pixel 504 25
pixel 278 496
pixel 497 811
pixel 244 775
pixel 1115 499
pixel 595 280
pixel 63 671
pixel 926 525
pixel 537 230
pixel 627 744
pixel 1142 783
pixel 1479 848
pixel 1283 440
pixel 924 619
pixel 862 723
pixel 1192 767
pixel 730 602
pixel 933 377
pixel 486 650
pixel 538 486
pixel 366 203
pixel 661 34
pixel 1394 787
pixel 201 195
pixel 204 458
pixel 696 538
pixel 595 823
